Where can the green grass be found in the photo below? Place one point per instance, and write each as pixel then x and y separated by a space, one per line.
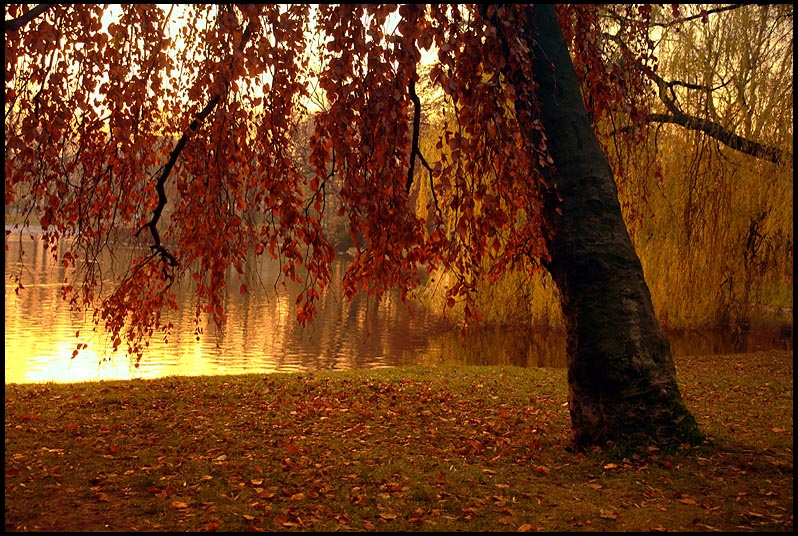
pixel 404 449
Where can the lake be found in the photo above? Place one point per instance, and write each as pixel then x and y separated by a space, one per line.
pixel 261 334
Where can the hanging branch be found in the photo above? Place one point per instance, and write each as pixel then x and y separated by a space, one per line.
pixel 161 182
pixel 414 150
pixel 173 156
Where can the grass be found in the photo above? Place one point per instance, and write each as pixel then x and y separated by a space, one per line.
pixel 405 449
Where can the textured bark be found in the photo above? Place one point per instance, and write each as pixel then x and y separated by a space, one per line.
pixel 622 380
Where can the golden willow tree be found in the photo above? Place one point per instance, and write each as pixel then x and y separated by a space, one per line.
pixel 182 135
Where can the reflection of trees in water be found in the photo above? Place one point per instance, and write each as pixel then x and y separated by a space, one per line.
pixel 346 334
pixel 360 333
pixel 497 346
pixel 262 335
pixel 758 337
pixel 546 348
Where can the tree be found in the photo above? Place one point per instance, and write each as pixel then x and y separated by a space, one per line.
pixel 622 380
pixel 735 71
pixel 134 128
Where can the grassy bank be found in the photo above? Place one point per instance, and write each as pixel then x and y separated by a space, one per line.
pixel 408 449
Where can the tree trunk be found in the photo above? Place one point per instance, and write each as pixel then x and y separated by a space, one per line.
pixel 621 376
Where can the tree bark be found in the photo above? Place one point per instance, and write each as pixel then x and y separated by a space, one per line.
pixel 621 376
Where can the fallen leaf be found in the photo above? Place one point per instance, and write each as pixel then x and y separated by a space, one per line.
pixel 607 514
pixel 388 515
pixel 178 504
pixel 476 445
pixel 526 527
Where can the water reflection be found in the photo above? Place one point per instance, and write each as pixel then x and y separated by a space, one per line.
pixel 261 334
pixel 546 348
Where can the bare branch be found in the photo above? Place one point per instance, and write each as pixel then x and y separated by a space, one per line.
pixel 414 150
pixel 681 20
pixel 708 127
pixel 13 25
pixel 708 12
pixel 723 135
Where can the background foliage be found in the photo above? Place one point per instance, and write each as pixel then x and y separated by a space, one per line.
pixel 237 155
pixel 713 227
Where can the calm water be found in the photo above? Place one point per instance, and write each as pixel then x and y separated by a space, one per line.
pixel 262 336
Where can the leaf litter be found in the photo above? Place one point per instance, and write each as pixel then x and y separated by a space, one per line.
pixel 410 449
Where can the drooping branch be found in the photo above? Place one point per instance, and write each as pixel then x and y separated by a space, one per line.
pixel 414 149
pixel 167 169
pixel 708 127
pixel 161 182
pixel 13 25
pixel 725 136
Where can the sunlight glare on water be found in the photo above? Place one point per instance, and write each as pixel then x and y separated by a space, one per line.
pixel 261 334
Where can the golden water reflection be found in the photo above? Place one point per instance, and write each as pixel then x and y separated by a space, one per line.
pixel 261 334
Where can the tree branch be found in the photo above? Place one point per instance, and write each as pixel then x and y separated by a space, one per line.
pixel 173 156
pixel 13 25
pixel 704 14
pixel 414 150
pixel 161 182
pixel 723 135
pixel 708 127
